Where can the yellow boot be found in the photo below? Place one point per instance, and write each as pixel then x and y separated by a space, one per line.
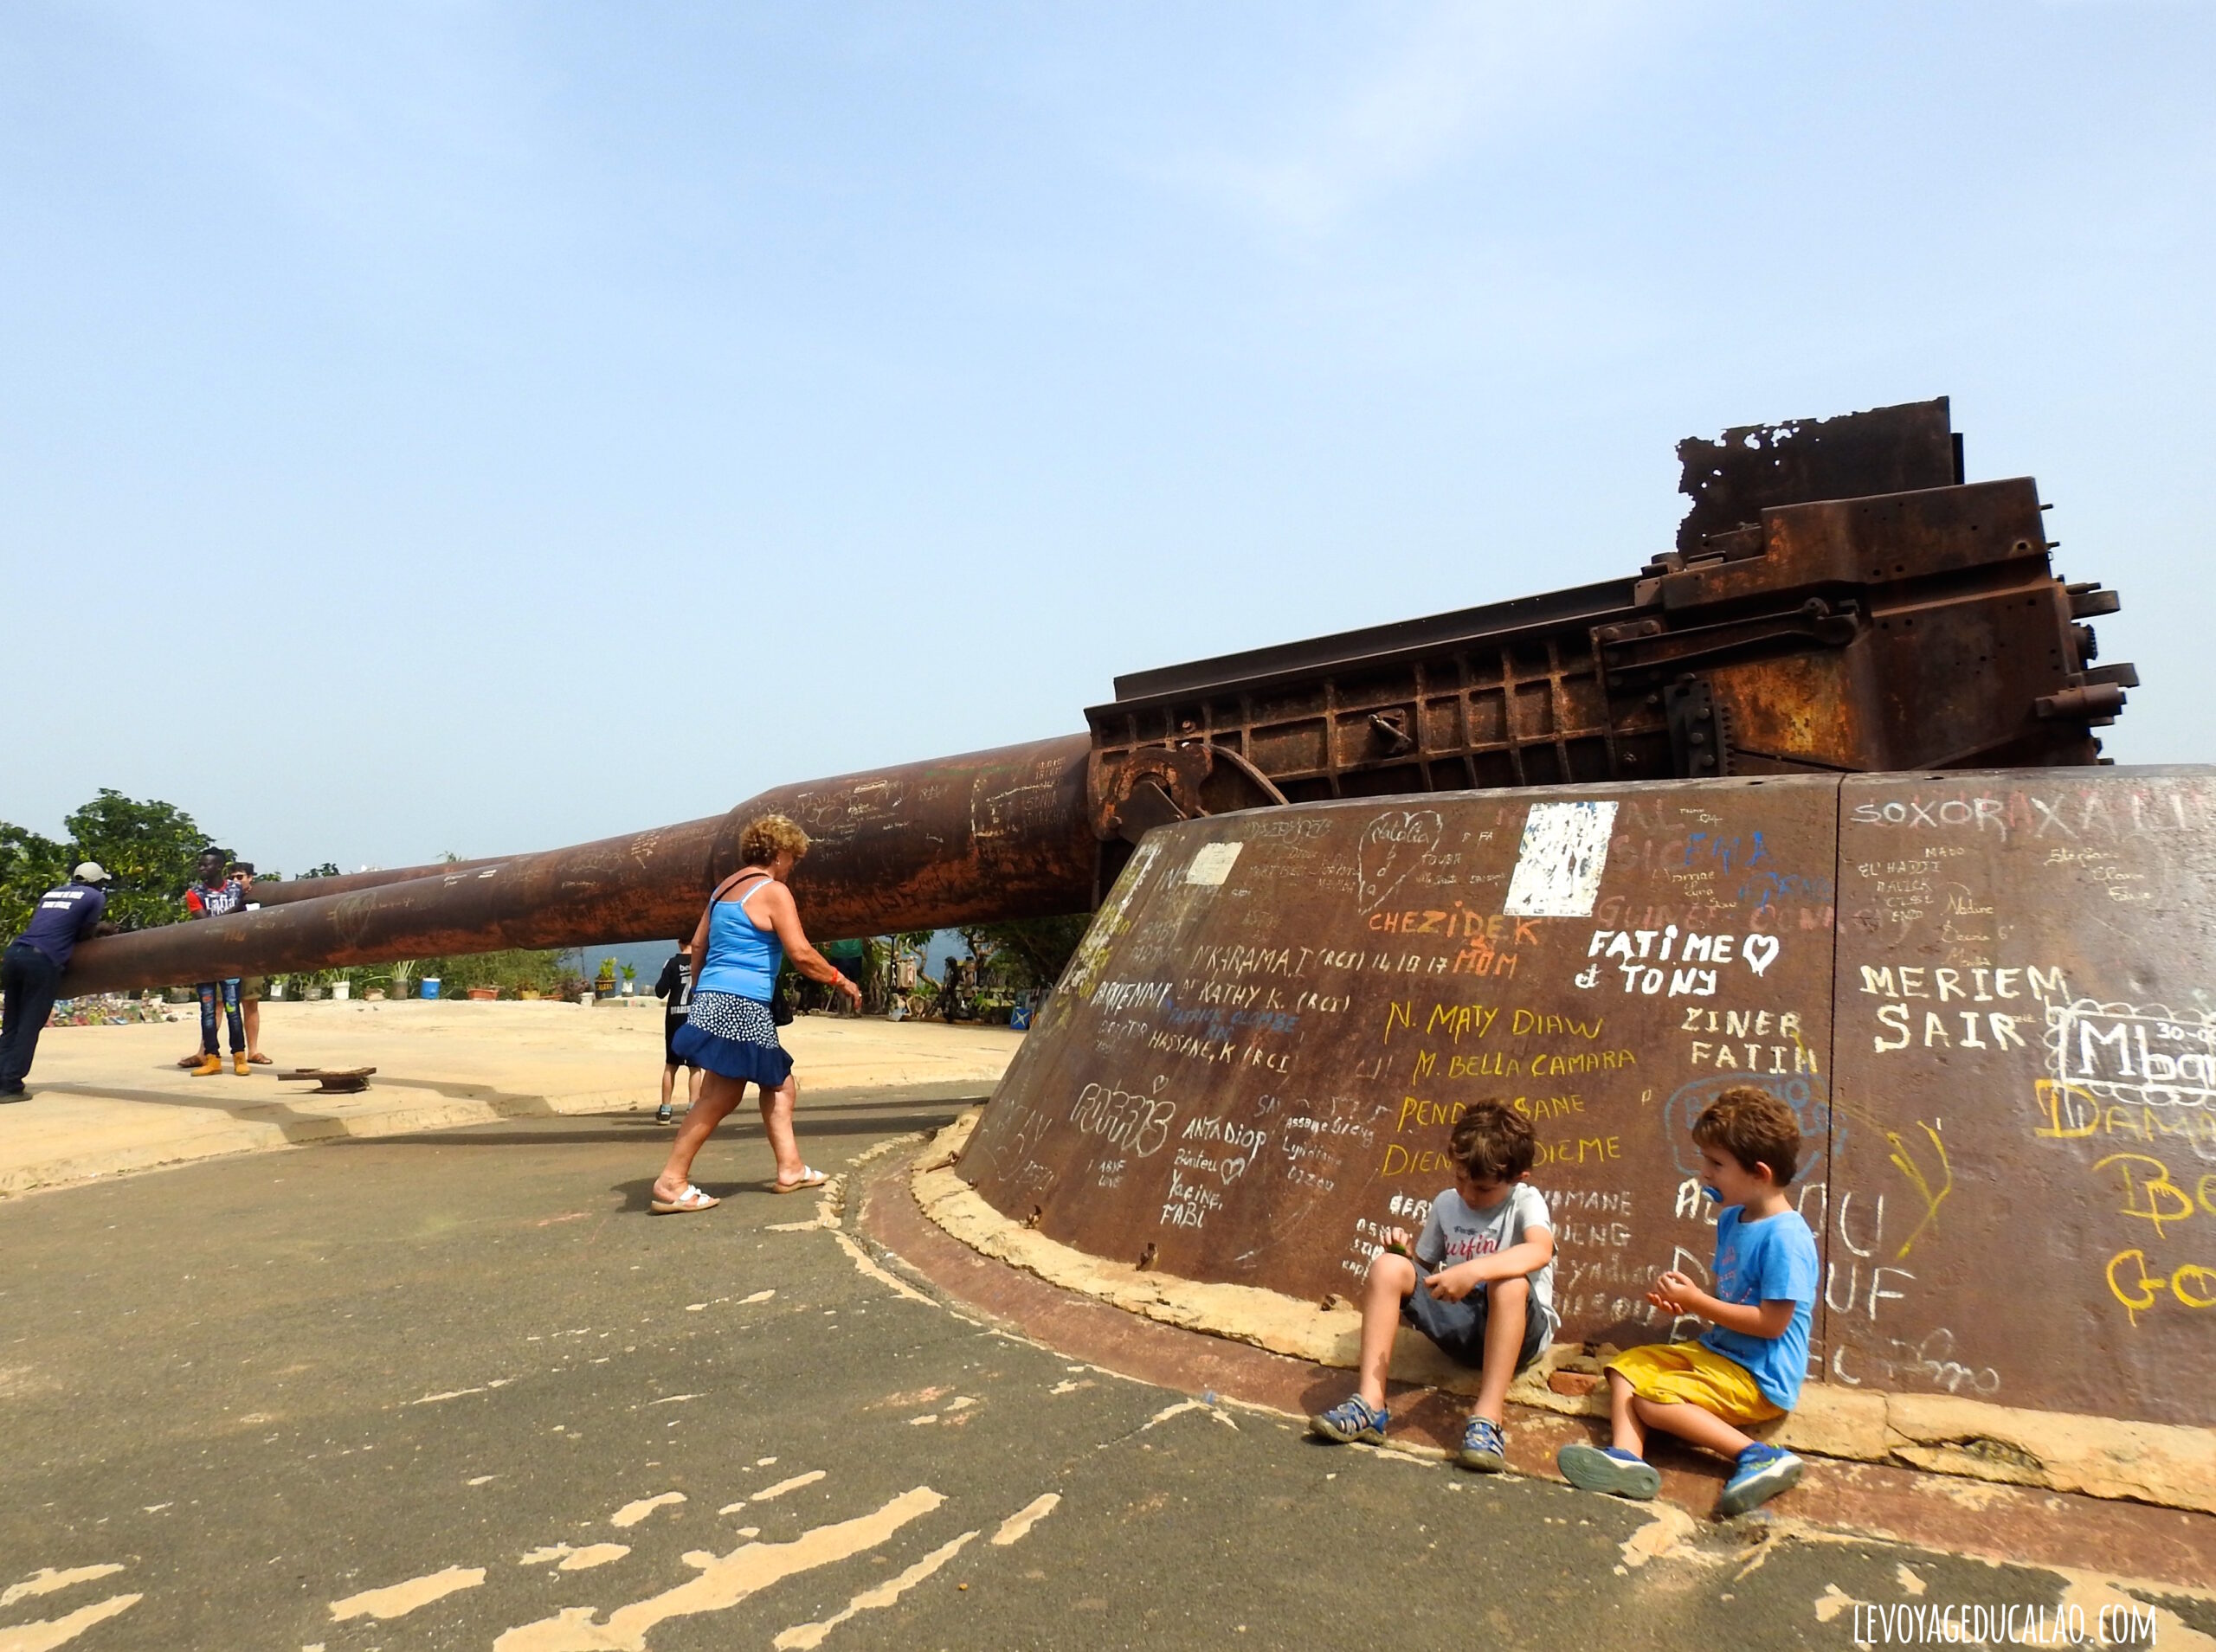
pixel 211 1065
pixel 238 1064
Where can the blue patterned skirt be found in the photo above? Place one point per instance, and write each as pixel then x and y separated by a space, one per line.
pixel 735 1036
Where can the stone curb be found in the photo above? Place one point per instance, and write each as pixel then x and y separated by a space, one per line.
pixel 2170 1466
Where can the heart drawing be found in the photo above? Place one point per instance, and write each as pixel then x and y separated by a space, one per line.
pixel 1392 844
pixel 1760 951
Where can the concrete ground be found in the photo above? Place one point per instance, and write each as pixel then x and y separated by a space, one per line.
pixel 457 1389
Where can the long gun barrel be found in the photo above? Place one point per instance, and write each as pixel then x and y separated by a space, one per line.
pixel 964 839
pixel 1838 600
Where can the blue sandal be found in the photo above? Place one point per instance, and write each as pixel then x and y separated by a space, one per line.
pixel 1484 1447
pixel 1351 1423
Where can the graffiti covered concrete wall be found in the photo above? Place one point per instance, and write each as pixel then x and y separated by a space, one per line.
pixel 2024 1185
pixel 1255 1062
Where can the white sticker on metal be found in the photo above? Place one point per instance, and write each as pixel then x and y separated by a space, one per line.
pixel 1213 864
pixel 1558 867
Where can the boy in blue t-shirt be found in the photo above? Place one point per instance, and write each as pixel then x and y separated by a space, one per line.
pixel 1748 1368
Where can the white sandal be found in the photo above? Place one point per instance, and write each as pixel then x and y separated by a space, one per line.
pixel 687 1202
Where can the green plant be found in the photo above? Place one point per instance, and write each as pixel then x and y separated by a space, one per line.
pixel 512 970
pixel 607 970
pixel 1026 954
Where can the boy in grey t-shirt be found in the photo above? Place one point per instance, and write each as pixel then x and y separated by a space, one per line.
pixel 1479 1281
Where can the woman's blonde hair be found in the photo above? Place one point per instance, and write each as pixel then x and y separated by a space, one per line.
pixel 767 837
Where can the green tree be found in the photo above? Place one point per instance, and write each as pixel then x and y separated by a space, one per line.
pixel 150 847
pixel 29 865
pixel 1027 954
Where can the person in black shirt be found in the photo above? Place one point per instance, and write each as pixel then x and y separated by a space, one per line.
pixel 675 989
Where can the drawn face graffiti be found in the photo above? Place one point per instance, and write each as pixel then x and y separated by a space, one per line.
pixel 1393 847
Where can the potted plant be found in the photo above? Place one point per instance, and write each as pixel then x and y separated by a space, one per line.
pixel 630 979
pixel 604 982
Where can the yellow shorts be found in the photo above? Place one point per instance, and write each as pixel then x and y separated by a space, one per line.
pixel 1685 1373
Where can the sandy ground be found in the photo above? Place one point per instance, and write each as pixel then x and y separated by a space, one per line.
pixel 111 1099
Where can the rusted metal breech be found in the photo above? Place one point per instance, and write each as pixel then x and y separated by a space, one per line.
pixel 988 836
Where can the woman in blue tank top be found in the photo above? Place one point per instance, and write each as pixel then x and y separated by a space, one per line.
pixel 750 927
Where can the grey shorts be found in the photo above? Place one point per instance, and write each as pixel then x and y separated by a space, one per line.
pixel 1459 1328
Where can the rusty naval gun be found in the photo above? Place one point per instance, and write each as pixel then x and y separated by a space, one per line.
pixel 1839 599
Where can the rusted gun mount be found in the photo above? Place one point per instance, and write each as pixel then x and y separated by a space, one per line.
pixel 1839 599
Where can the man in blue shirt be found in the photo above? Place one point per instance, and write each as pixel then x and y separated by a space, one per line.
pixel 31 969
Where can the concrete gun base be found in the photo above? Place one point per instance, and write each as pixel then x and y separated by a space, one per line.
pixel 2170 1466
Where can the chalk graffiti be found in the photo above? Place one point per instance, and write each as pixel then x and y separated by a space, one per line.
pixel 1845 1289
pixel 2057 816
pixel 2072 1113
pixel 2191 1285
pixel 1111 996
pixel 1930 1362
pixel 1392 846
pixel 1658 957
pixel 1219 960
pixel 1012 1155
pixel 1415 1208
pixel 1241 1143
pixel 2152 1195
pixel 1903 1156
pixel 1137 1122
pixel 2000 1031
pixel 1187 1204
pixel 1460 923
pixel 1113 918
pixel 2130 1053
pixel 1985 986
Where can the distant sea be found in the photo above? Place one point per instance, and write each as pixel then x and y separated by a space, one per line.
pixel 648 956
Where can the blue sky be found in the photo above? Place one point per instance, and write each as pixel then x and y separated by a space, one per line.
pixel 487 427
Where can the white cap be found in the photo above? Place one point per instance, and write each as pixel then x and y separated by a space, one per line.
pixel 90 872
